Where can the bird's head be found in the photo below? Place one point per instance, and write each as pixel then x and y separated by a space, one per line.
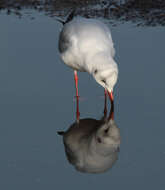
pixel 107 138
pixel 107 78
pixel 105 72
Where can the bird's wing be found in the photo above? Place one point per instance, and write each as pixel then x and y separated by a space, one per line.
pixel 64 41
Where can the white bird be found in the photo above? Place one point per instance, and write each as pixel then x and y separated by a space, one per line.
pixel 86 45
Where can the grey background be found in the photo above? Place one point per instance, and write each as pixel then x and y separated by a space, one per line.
pixel 36 100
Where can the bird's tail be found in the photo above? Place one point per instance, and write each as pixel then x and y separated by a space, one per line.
pixel 69 18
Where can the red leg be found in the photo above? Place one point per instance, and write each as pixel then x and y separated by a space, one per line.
pixel 76 82
pixel 105 102
pixel 77 96
pixel 111 114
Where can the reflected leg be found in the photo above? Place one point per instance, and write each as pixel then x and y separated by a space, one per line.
pixel 77 110
pixel 77 96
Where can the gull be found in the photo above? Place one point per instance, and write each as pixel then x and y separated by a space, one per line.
pixel 86 45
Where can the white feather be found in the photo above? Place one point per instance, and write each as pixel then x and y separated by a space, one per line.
pixel 86 45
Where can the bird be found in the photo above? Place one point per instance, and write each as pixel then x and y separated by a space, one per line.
pixel 92 146
pixel 86 45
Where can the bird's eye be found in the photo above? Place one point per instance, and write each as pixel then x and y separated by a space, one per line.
pixel 103 80
pixel 95 72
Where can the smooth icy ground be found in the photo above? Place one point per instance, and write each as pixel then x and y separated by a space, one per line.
pixel 36 100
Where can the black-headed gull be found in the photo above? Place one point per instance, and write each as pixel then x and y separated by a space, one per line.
pixel 86 45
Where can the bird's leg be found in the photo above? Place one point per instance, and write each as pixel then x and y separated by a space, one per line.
pixel 105 103
pixel 111 114
pixel 77 97
pixel 76 82
pixel 77 110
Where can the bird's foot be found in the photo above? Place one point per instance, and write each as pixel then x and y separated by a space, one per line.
pixel 78 116
pixel 78 98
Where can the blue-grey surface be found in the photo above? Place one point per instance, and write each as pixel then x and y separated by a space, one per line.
pixel 36 100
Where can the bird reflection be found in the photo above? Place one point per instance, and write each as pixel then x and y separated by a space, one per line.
pixel 92 145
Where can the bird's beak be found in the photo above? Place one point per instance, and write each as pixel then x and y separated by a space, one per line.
pixel 111 114
pixel 111 96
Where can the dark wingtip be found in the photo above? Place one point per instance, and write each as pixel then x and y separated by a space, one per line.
pixel 60 133
pixel 70 16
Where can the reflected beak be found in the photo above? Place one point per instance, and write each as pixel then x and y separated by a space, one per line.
pixel 111 96
pixel 111 114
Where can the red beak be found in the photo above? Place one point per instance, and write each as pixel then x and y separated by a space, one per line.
pixel 111 96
